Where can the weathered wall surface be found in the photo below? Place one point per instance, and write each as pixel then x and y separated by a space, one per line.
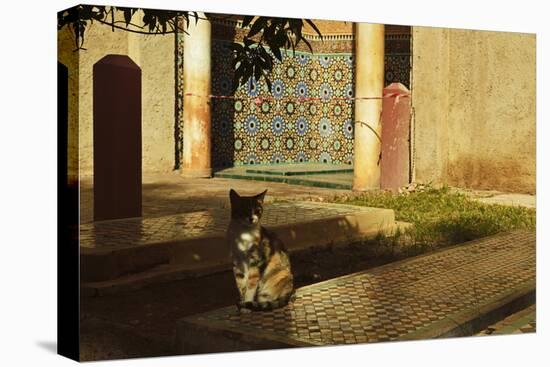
pixel 156 59
pixel 474 102
pixel 155 56
pixel 329 27
pixel 66 56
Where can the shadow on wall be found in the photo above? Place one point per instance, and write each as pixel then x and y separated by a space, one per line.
pixel 491 174
pixel 223 110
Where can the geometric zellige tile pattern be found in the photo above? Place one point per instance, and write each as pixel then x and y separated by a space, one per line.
pixel 143 231
pixel 389 302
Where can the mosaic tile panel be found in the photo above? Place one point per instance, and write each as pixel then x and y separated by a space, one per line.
pixel 284 129
pixel 397 60
pixel 397 69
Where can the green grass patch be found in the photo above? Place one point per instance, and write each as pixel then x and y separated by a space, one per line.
pixel 442 217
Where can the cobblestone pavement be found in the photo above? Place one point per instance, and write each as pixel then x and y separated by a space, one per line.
pixel 397 301
pixel 521 322
pixel 141 231
pixel 169 193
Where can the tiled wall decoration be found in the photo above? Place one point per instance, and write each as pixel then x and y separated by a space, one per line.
pixel 397 60
pixel 285 129
pixel 397 69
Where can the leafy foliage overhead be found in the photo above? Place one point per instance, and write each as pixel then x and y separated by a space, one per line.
pixel 253 58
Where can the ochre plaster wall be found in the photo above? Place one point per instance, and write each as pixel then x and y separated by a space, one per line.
pixel 473 94
pixel 66 56
pixel 155 56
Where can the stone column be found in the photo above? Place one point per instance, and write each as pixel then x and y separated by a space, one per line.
pixel 196 104
pixel 369 82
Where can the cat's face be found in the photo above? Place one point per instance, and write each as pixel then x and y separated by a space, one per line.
pixel 246 209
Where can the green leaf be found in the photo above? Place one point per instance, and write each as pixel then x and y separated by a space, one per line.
pixel 258 25
pixel 186 17
pixel 277 53
pixel 264 54
pixel 258 71
pixel 127 16
pixel 264 63
pixel 235 62
pixel 310 22
pixel 308 44
pixel 238 76
pixel 236 83
pixel 236 47
pixel 247 74
pixel 296 26
pixel 267 81
pixel 281 39
pixel 247 42
pixel 269 31
pixel 247 19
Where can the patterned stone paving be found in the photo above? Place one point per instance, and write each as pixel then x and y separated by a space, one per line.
pixel 142 231
pixel 389 302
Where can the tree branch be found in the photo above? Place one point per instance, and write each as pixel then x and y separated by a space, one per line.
pixel 135 31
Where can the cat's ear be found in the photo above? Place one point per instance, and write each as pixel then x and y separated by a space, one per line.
pixel 233 195
pixel 260 197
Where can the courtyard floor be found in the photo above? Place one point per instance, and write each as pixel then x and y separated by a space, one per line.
pixel 446 293
pixel 169 193
pixel 142 322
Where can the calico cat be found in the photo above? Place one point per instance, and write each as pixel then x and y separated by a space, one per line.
pixel 260 261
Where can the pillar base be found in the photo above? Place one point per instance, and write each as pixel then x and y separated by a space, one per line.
pixel 196 172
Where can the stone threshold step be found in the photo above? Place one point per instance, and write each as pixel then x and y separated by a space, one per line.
pixel 457 291
pixel 299 172
pixel 175 272
pixel 110 269
pixel 328 181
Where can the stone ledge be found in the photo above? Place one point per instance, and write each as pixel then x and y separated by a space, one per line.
pixel 452 292
pixel 108 267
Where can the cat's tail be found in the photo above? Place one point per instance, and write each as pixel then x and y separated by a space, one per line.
pixel 268 305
